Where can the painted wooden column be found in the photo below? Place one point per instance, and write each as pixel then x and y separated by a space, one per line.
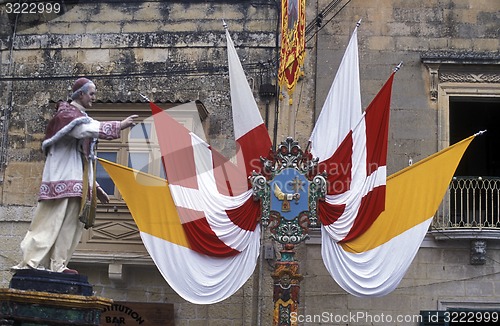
pixel 287 280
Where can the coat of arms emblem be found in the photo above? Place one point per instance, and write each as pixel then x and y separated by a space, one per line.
pixel 289 192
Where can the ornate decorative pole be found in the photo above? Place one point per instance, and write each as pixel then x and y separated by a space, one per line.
pixel 287 279
pixel 289 192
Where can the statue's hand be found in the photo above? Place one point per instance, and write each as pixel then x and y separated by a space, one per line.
pixel 128 122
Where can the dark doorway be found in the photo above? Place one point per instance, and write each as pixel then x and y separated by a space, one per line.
pixel 475 190
pixel 467 117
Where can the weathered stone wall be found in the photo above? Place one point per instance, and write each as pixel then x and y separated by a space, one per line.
pixel 392 31
pixel 441 273
pixel 168 51
pixel 176 51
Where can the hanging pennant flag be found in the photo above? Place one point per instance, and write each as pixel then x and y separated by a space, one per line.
pixel 250 132
pixel 374 263
pixel 293 46
pixel 371 231
pixel 196 277
pixel 356 173
pixel 352 150
pixel 201 227
pixel 342 108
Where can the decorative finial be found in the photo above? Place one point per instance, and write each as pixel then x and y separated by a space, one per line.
pixel 358 23
pixel 144 97
pixel 224 24
pixel 480 132
pixel 398 66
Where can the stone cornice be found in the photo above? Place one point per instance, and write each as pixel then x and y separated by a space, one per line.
pixel 460 67
pixel 452 57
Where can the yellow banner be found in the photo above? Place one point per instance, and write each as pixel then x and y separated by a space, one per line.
pixel 149 201
pixel 413 195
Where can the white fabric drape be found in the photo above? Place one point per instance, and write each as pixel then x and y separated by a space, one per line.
pixel 376 272
pixel 198 278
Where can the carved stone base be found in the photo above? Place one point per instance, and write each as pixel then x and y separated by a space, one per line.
pixel 45 281
pixel 18 307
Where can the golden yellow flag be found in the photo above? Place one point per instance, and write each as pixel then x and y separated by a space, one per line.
pixel 149 201
pixel 413 195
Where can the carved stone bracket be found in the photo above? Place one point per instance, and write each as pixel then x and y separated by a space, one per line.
pixel 116 272
pixel 434 80
pixel 478 252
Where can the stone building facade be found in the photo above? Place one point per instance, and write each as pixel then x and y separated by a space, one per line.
pixel 175 52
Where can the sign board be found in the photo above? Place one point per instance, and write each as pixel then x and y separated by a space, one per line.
pixel 138 313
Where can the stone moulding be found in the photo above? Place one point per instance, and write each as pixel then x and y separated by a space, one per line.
pixel 460 67
pixel 458 77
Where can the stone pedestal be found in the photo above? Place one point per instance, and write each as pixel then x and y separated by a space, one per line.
pixel 46 298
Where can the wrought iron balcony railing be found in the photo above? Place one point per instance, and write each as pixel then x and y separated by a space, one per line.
pixel 470 202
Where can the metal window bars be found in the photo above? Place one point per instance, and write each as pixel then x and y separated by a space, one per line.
pixel 470 202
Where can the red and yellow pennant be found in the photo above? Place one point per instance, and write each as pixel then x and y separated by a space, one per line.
pixel 293 45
